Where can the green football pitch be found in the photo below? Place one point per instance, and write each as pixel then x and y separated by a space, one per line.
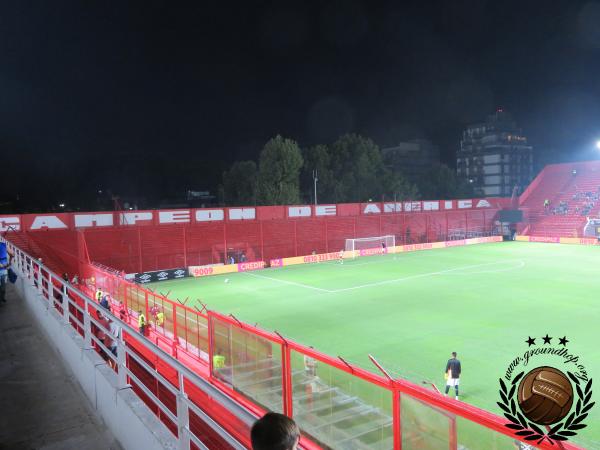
pixel 410 310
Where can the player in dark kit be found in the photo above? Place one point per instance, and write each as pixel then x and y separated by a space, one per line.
pixel 452 374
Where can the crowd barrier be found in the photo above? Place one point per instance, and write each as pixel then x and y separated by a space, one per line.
pixel 337 404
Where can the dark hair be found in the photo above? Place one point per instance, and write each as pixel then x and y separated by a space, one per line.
pixel 454 354
pixel 274 432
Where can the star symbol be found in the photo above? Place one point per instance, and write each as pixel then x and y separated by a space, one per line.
pixel 563 341
pixel 530 341
pixel 547 339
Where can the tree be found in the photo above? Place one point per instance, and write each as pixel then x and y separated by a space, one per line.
pixel 442 182
pixel 279 172
pixel 239 184
pixel 398 188
pixel 317 158
pixel 360 175
pixel 357 169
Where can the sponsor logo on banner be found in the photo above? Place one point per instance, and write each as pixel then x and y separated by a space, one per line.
pixel 552 240
pixel 457 243
pixel 321 257
pixel 415 247
pixel 276 262
pixel 248 266
pixel 159 275
pixel 145 278
pixel 213 269
pixel 372 251
pixel 201 271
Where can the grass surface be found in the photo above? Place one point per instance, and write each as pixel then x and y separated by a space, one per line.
pixel 411 310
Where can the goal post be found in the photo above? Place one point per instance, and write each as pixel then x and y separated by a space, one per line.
pixel 370 243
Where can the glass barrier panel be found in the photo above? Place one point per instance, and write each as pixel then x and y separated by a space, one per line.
pixel 249 363
pixel 136 299
pixel 194 331
pixel 472 436
pixel 338 409
pixel 424 426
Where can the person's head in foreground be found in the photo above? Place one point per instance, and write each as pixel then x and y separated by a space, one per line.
pixel 275 432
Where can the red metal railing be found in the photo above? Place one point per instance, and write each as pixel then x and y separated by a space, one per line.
pixel 262 366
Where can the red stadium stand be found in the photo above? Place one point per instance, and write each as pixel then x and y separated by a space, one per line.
pixel 558 183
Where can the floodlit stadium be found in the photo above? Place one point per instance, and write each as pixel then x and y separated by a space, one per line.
pixel 342 317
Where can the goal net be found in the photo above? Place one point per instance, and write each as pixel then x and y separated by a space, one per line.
pixel 370 243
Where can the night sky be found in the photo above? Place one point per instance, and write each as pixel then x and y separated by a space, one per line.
pixel 153 98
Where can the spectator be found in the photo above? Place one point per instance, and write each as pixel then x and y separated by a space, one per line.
pixel 105 303
pixel 160 318
pixel 4 264
pixel 111 342
pixel 275 432
pixel 218 360
pixel 310 366
pixel 101 334
pixel 75 279
pixel 154 313
pixel 142 322
pixel 122 312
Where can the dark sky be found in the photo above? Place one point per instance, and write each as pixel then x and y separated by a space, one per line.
pixel 153 96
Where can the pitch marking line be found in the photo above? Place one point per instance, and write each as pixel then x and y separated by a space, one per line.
pixel 421 275
pixel 291 283
pixel 349 263
pixel 395 280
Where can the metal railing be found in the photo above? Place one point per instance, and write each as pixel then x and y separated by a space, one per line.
pixel 74 308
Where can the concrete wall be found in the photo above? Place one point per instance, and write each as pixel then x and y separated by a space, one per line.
pixel 128 418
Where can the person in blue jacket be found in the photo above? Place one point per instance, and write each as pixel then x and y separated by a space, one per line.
pixel 4 264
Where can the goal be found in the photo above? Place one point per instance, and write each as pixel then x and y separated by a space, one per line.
pixel 370 242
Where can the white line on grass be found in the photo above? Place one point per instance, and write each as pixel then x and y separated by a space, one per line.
pixel 507 269
pixel 291 283
pixel 412 277
pixel 349 263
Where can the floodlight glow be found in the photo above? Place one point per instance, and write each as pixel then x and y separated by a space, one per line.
pixel 598 145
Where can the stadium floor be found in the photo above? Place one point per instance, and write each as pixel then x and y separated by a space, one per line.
pixel 410 310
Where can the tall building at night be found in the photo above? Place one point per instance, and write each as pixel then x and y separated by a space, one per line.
pixel 495 156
